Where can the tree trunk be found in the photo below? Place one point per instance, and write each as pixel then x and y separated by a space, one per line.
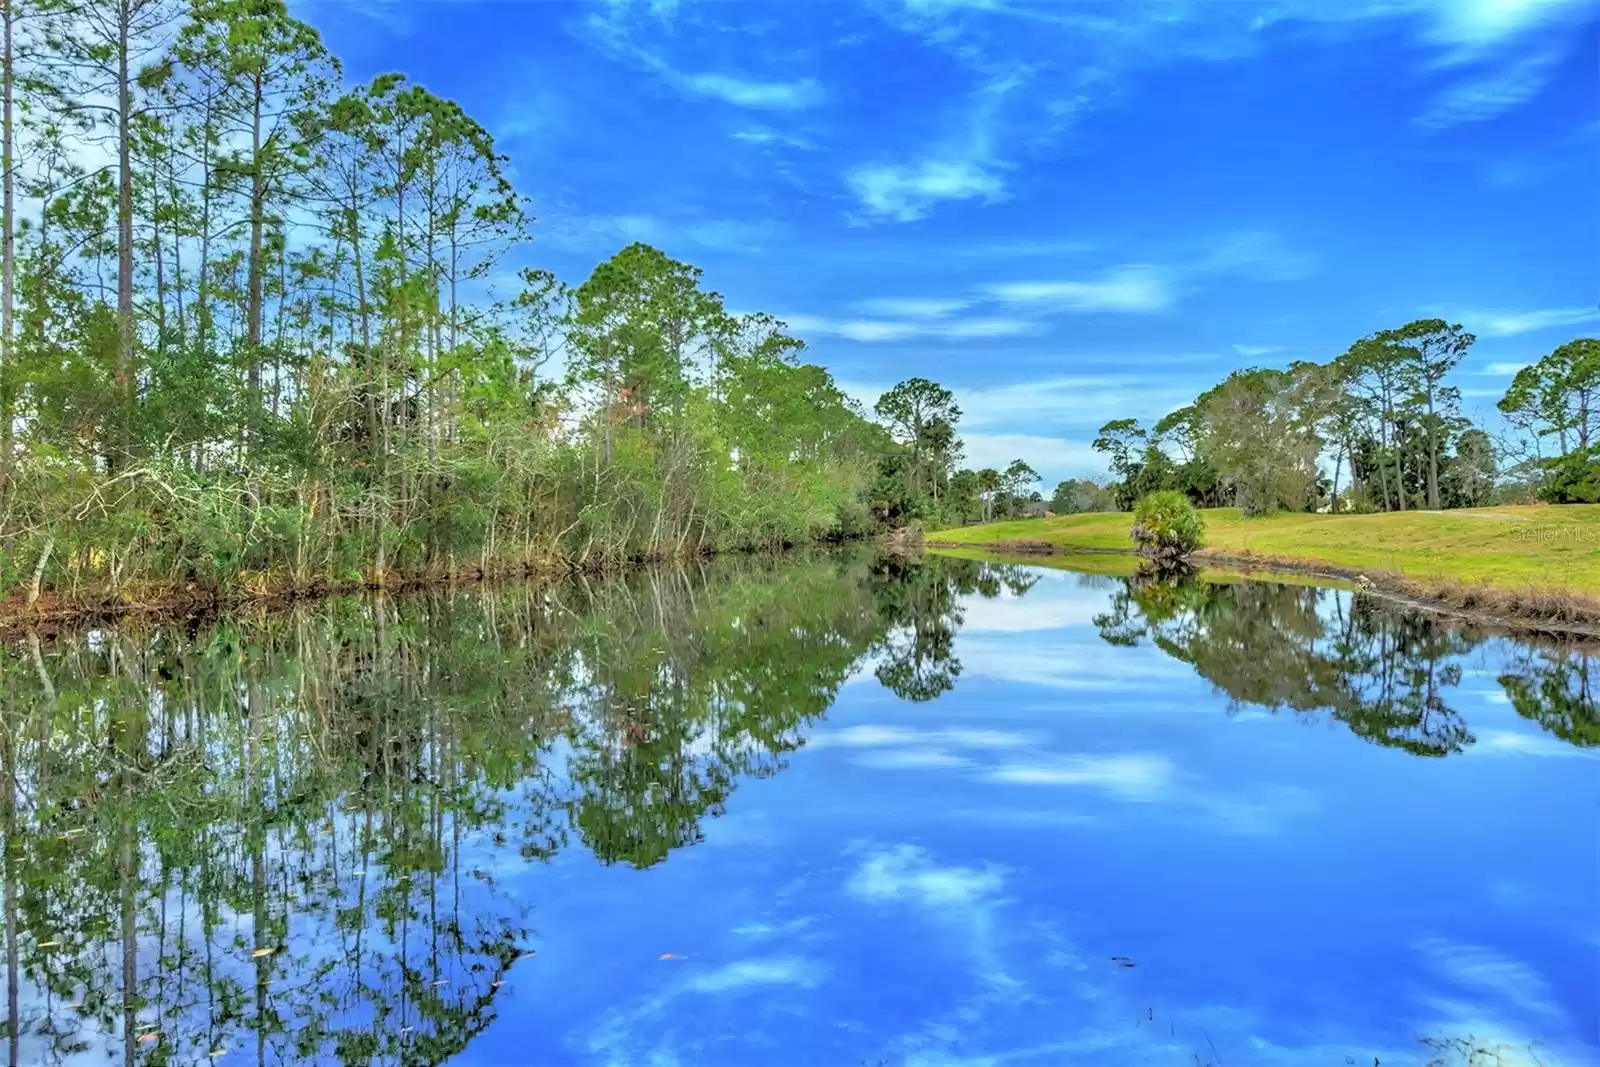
pixel 1433 455
pixel 8 251
pixel 258 194
pixel 126 374
pixel 1333 500
pixel 202 305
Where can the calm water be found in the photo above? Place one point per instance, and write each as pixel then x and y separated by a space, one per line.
pixel 830 812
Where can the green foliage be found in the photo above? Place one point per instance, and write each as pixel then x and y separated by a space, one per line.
pixel 1080 495
pixel 1166 526
pixel 1381 415
pixel 193 399
pixel 1572 478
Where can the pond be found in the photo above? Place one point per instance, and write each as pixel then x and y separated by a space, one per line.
pixel 830 810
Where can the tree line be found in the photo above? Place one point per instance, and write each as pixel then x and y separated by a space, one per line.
pixel 1378 428
pixel 260 327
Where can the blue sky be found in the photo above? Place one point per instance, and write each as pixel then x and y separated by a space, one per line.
pixel 1065 212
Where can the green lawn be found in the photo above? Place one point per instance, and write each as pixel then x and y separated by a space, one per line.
pixel 1550 547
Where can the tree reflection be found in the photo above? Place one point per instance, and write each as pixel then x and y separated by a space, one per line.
pixel 291 839
pixel 1555 687
pixel 919 598
pixel 1383 674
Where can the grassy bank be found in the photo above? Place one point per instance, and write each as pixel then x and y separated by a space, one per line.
pixel 1538 564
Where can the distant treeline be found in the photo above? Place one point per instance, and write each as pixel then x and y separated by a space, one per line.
pixel 1377 429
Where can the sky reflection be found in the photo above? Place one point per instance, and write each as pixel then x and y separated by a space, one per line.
pixel 950 883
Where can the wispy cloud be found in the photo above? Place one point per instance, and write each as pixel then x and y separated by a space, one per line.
pixel 1260 255
pixel 1490 94
pixel 1506 369
pixel 906 192
pixel 1471 26
pixel 1134 287
pixel 911 307
pixel 1513 323
pixel 908 873
pixel 756 974
pixel 1489 40
pixel 765 136
pixel 1515 743
pixel 754 93
pixel 1138 776
pixel 961 167
pixel 879 330
pixel 1503 1002
pixel 1144 288
pixel 1031 614
pixel 874 736
pixel 1257 351
pixel 631 33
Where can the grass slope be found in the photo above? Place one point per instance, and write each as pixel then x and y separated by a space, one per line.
pixel 1554 548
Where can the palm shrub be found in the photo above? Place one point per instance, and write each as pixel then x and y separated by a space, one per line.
pixel 1166 527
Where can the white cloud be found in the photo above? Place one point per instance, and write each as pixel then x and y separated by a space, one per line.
pixel 1513 323
pixel 880 330
pixel 762 135
pixel 906 873
pixel 910 759
pixel 1138 777
pixel 908 192
pixel 745 92
pixel 1067 667
pixel 1131 288
pixel 1494 980
pixel 762 930
pixel 1478 24
pixel 749 974
pixel 911 307
pixel 1503 368
pixel 1256 351
pixel 1515 743
pixel 1490 94
pixel 633 33
pixel 872 736
pixel 1014 615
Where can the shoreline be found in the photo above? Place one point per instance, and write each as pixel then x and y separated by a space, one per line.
pixel 1528 610
pixel 55 613
pixel 166 603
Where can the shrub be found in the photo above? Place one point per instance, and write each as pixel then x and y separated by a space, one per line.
pixel 1166 526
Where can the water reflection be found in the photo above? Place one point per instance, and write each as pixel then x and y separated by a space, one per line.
pixel 298 838
pixel 1385 674
pixel 284 837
